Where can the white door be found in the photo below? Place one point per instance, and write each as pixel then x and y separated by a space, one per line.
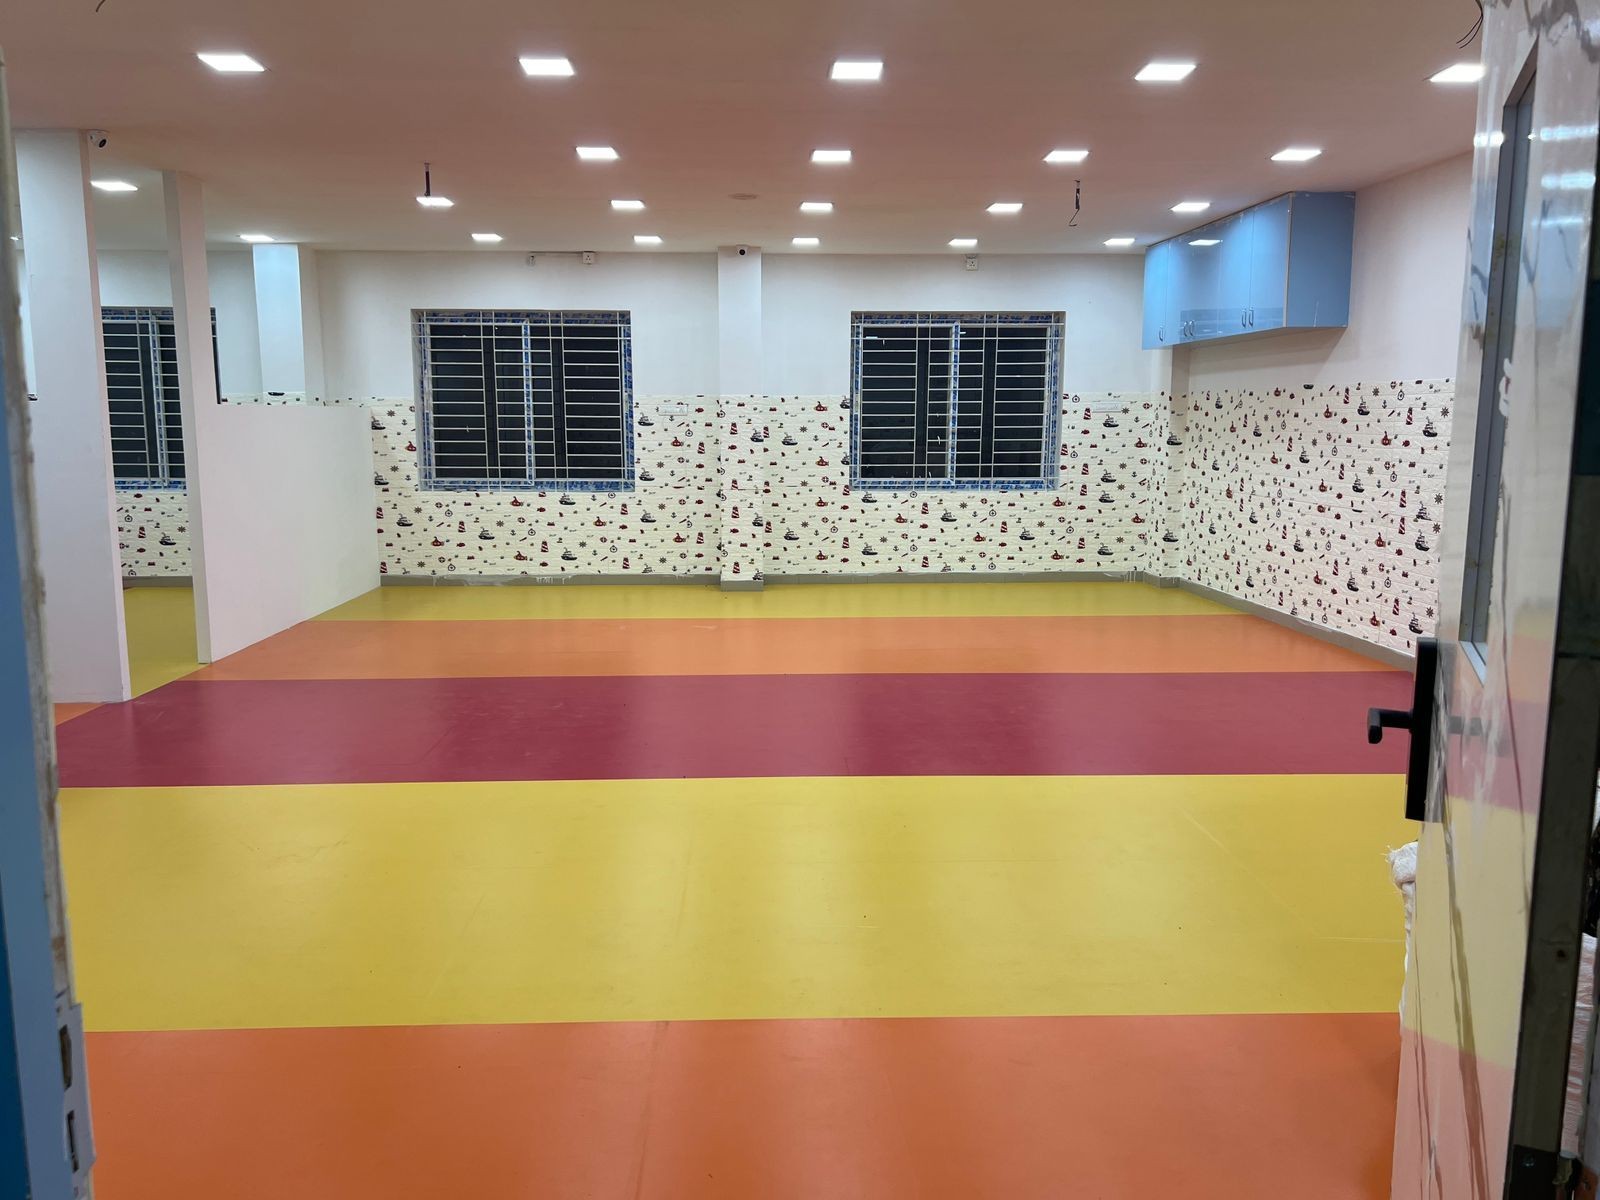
pixel 1508 774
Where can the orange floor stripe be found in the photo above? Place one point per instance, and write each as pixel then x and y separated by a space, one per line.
pixel 781 646
pixel 65 712
pixel 1212 1108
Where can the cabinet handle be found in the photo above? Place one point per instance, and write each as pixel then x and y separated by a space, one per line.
pixel 1243 313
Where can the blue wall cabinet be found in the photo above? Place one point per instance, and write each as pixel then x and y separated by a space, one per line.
pixel 1283 264
pixel 1157 266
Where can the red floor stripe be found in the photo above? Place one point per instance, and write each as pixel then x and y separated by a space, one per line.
pixel 1207 1108
pixel 646 727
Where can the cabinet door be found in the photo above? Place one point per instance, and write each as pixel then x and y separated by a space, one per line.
pixel 1158 330
pixel 1269 263
pixel 1200 254
pixel 1233 236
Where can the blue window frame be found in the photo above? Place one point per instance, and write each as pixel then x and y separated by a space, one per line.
pixel 519 401
pixel 955 400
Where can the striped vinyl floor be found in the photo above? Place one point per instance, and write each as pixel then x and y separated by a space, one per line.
pixel 832 891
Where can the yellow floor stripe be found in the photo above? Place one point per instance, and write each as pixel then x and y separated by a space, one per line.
pixel 1000 599
pixel 683 899
pixel 161 638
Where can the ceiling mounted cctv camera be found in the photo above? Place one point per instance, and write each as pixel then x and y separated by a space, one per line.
pixel 98 138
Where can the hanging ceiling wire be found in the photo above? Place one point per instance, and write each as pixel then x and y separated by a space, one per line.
pixel 1465 40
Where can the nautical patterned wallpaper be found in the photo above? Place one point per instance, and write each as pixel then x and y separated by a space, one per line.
pixel 153 531
pixel 1322 502
pixel 1112 462
pixel 667 525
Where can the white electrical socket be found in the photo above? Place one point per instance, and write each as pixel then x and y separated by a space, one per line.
pixel 588 258
pixel 972 262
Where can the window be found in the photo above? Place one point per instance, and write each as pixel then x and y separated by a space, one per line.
pixel 956 400
pixel 141 347
pixel 521 400
pixel 1500 327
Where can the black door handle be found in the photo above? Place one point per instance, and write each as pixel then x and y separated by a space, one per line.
pixel 1419 721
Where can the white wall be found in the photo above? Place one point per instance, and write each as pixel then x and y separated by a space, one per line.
pixel 290 552
pixel 367 300
pixel 143 277
pixel 1405 297
pixel 807 301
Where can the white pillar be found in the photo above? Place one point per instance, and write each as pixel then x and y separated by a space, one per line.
pixel 197 375
pixel 739 320
pixel 289 318
pixel 86 644
pixel 741 482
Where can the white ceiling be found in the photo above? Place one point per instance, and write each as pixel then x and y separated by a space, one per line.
pixel 706 98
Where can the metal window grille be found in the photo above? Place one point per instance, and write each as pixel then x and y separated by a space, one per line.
pixel 141 348
pixel 522 400
pixel 955 400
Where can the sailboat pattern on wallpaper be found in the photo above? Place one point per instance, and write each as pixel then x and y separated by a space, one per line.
pixel 1321 502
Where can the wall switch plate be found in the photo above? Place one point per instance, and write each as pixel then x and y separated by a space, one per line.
pixel 588 258
pixel 972 262
pixel 673 408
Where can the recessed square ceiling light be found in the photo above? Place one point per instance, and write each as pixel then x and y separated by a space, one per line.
pixel 627 205
pixel 646 239
pixel 1206 242
pixel 1066 156
pixel 487 237
pixel 597 153
pixel 816 206
pixel 1119 241
pixel 254 238
pixel 435 201
pixel 1191 206
pixel 231 64
pixel 545 67
pixel 1459 73
pixel 859 70
pixel 1164 72
pixel 805 241
pixel 963 243
pixel 1005 207
pixel 114 185
pixel 830 156
pixel 1296 154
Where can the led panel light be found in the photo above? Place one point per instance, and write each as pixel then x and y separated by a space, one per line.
pixel 830 156
pixel 805 241
pixel 1119 241
pixel 597 154
pixel 488 238
pixel 256 238
pixel 1164 72
pixel 628 205
pixel 1066 156
pixel 1005 208
pixel 816 206
pixel 963 243
pixel 113 185
pixel 857 70
pixel 546 68
pixel 435 201
pixel 231 64
pixel 1459 73
pixel 646 239
pixel 1191 206
pixel 1296 154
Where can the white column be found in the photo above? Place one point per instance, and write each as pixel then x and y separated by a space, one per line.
pixel 86 644
pixel 741 484
pixel 197 375
pixel 739 320
pixel 289 318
